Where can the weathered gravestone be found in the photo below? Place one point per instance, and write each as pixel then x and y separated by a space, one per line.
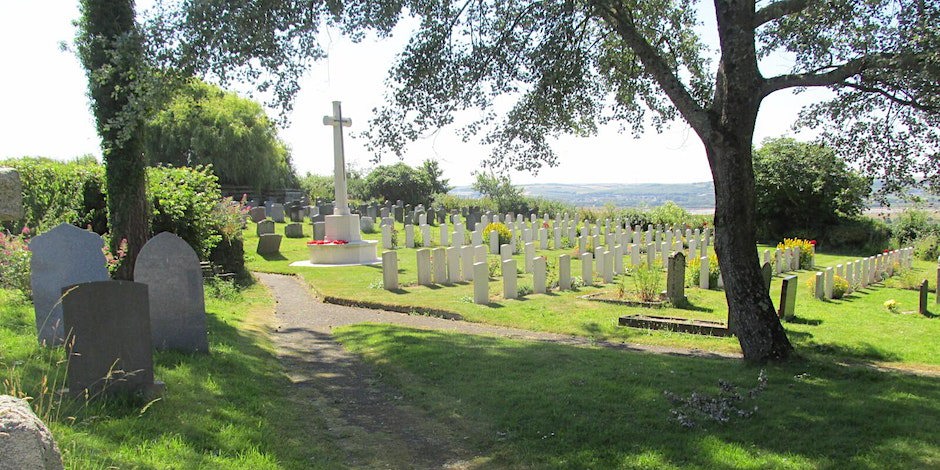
pixel 25 441
pixel 390 270
pixel 264 227
pixel 110 351
pixel 922 306
pixel 366 224
pixel 768 273
pixel 294 230
pixel 63 256
pixel 170 269
pixel 257 214
pixel 277 213
pixel 675 278
pixel 788 298
pixel 269 244
pixel 11 195
pixel 319 230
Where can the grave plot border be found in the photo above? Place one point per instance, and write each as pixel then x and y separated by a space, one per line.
pixel 681 325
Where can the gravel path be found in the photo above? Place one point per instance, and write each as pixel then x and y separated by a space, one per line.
pixel 370 421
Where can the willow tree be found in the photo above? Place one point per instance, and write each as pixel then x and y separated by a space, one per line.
pixel 572 66
pixel 111 50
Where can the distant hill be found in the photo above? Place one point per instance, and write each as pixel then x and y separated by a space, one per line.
pixel 691 196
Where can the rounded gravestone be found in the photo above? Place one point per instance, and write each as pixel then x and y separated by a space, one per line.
pixel 61 257
pixel 170 268
pixel 25 441
pixel 11 195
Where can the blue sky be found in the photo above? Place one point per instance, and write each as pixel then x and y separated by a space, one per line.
pixel 46 111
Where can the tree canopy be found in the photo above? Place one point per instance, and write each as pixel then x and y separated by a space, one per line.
pixel 402 182
pixel 202 124
pixel 803 187
pixel 574 66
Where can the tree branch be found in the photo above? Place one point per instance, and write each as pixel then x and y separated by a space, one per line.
pixel 778 10
pixel 654 64
pixel 892 97
pixel 836 75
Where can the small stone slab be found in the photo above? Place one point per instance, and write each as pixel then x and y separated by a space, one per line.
pixel 63 256
pixel 277 213
pixel 269 244
pixel 294 230
pixel 11 195
pixel 25 441
pixel 170 269
pixel 109 338
pixel 922 306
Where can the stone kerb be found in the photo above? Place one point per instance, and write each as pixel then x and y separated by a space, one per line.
pixel 61 257
pixel 170 269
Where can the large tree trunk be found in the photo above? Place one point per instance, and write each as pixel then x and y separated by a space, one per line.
pixel 751 314
pixel 112 54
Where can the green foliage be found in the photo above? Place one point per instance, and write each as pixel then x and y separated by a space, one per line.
pixel 202 124
pixel 14 261
pixel 927 248
pixel 647 282
pixel 505 197
pixel 669 213
pixel 859 234
pixel 57 192
pixel 399 182
pixel 450 202
pixel 801 186
pixel 915 227
pixel 504 234
pixel 185 202
pixel 432 169
pixel 317 186
pixel 840 287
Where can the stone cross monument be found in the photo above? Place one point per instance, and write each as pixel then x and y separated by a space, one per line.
pixel 341 207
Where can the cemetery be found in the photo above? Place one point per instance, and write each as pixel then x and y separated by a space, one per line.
pixel 188 299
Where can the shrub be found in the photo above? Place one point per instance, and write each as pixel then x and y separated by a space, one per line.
pixel 14 261
pixel 503 233
pixel 184 201
pixel 648 283
pixel 927 248
pixel 806 248
pixel 859 234
pixel 840 287
pixel 56 192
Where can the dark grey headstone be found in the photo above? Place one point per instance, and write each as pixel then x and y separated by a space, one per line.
pixel 109 338
pixel 277 213
pixel 319 230
pixel 432 216
pixel 269 244
pixel 675 278
pixel 767 272
pixel 326 209
pixel 257 214
pixel 170 269
pixel 294 230
pixel 297 214
pixel 61 257
pixel 788 298
pixel 399 213
pixel 922 307
pixel 265 227
pixel 383 212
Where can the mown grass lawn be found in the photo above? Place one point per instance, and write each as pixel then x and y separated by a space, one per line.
pixel 228 409
pixel 537 405
pixel 856 328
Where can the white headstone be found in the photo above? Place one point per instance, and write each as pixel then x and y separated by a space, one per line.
pixel 453 265
pixel 538 275
pixel 466 259
pixel 481 283
pixel 587 269
pixel 424 267
pixel 439 265
pixel 390 270
pixel 564 272
pixel 509 279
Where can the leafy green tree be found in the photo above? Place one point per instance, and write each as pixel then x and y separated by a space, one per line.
pixel 399 181
pixel 439 185
pixel 111 51
pixel 574 65
pixel 499 189
pixel 202 124
pixel 317 186
pixel 804 187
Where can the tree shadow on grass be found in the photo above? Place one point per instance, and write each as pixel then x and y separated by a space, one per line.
pixel 229 407
pixel 605 409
